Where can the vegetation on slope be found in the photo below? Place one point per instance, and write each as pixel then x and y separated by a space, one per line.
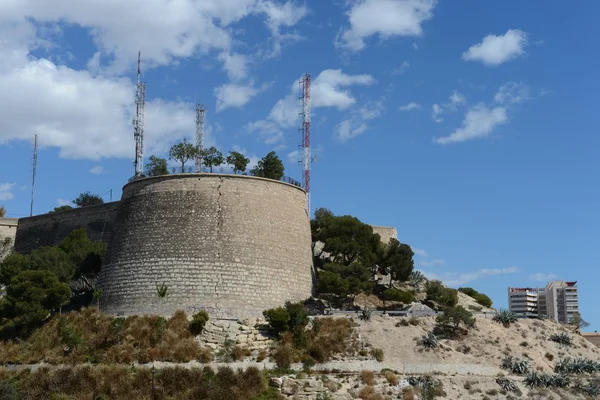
pixel 126 383
pixel 91 336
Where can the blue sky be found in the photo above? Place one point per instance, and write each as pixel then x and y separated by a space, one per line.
pixel 471 127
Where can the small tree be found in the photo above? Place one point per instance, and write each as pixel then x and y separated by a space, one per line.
pixel 238 161
pixel 183 152
pixel 442 295
pixel 2 211
pixel 156 166
pixel 269 167
pixel 65 207
pixel 577 322
pixel 211 157
pixel 455 316
pixel 87 199
pixel 397 260
pixel 97 293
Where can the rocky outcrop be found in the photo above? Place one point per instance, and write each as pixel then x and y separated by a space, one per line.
pixel 250 333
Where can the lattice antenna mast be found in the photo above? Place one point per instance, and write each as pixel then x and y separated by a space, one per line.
pixel 199 135
pixel 34 162
pixel 138 122
pixel 305 146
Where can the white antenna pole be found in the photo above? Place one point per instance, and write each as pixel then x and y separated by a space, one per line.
pixel 138 122
pixel 199 135
pixel 35 143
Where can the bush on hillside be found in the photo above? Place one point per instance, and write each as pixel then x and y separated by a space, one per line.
pixel 198 322
pixel 505 317
pixel 480 298
pixel 293 317
pixel 454 317
pixel 442 295
pixel 562 338
pixel 404 296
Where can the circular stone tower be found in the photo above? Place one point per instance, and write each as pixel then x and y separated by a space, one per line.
pixel 229 244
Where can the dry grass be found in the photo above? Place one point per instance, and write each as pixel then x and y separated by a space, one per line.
pixel 333 336
pixel 392 378
pixel 408 393
pixel 123 383
pixel 369 393
pixel 90 336
pixel 367 377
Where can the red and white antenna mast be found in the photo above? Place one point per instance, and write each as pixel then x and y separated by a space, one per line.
pixel 199 135
pixel 305 146
pixel 138 122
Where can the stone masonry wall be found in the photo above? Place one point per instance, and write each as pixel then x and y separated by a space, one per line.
pixel 8 229
pixel 229 244
pixel 51 229
pixel 386 233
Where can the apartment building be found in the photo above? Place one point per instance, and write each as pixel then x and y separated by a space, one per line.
pixel 526 300
pixel 559 300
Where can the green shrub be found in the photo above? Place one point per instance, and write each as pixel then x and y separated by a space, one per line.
pixel 505 317
pixel 377 354
pixel 404 296
pixel 456 316
pixel 429 341
pixel 515 366
pixel 442 295
pixel 198 322
pixel 292 317
pixel 8 391
pixel 561 338
pixel 480 298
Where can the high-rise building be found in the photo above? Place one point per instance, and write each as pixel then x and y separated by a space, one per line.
pixel 558 300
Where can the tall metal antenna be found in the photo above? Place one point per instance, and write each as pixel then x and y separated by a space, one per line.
pixel 138 122
pixel 34 161
pixel 199 134
pixel 305 129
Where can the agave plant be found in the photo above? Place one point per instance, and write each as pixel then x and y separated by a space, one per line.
pixel 562 338
pixel 506 384
pixel 515 365
pixel 591 389
pixel 365 314
pixel 576 366
pixel 505 317
pixel 559 380
pixel 430 341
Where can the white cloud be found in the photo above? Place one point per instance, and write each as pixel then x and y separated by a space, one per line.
pixel 83 115
pixel 415 46
pixel 63 202
pixel 495 50
pixel 357 124
pixel 163 30
pixel 293 157
pixel 328 89
pixel 436 110
pixel 233 95
pixel 97 170
pixel 386 18
pixel 6 191
pixel 512 93
pixel 402 68
pixel 458 279
pixel 543 277
pixel 457 98
pixel 410 107
pixel 419 252
pixel 432 263
pixel 235 65
pixel 479 122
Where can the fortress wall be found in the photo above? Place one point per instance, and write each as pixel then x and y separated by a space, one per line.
pixel 51 229
pixel 8 229
pixel 229 244
pixel 385 232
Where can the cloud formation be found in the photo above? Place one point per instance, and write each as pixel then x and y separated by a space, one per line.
pixel 410 107
pixel 495 50
pixel 6 191
pixel 357 124
pixel 385 18
pixel 479 122
pixel 97 170
pixel 329 89
pixel 458 279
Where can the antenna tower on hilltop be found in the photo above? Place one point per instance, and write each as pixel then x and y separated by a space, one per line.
pixel 138 122
pixel 34 162
pixel 305 130
pixel 199 135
